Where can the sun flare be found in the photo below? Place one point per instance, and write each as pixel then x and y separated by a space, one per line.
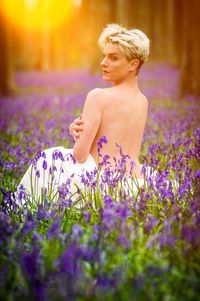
pixel 37 14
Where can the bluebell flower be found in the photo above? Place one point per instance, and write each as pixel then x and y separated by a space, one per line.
pixel 44 165
pixel 197 174
pixel 77 231
pixel 57 155
pixel 102 140
pixel 54 229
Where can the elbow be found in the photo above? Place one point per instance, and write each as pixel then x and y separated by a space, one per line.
pixel 79 159
pixel 79 156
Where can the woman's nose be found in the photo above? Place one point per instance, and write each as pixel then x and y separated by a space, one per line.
pixel 104 62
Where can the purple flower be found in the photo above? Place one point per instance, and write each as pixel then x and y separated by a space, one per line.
pixel 197 174
pixel 122 211
pixel 10 165
pixel 44 164
pixel 105 282
pixel 124 241
pixel 89 254
pixel 84 180
pixel 150 222
pixel 54 168
pixel 54 229
pixel 37 157
pixel 64 192
pixel 87 216
pixel 102 140
pixel 42 213
pixel 105 161
pixel 57 155
pixel 29 224
pixel 77 231
pixel 197 134
pixel 30 264
pixel 72 158
pixel 108 201
pixel 43 154
pixel 70 261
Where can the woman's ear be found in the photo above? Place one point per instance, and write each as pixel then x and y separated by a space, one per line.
pixel 134 65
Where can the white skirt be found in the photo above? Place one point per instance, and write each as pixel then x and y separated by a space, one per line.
pixel 55 167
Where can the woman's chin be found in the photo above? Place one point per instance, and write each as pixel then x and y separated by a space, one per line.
pixel 106 78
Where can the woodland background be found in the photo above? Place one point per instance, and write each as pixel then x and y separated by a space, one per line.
pixel 172 26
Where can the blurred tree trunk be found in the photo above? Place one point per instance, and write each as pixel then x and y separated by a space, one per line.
pixel 190 58
pixel 170 53
pixel 112 7
pixel 102 13
pixel 139 14
pixel 45 51
pixel 57 54
pixel 178 30
pixel 95 14
pixel 121 12
pixel 162 30
pixel 86 32
pixel 46 41
pixel 6 72
pixel 156 19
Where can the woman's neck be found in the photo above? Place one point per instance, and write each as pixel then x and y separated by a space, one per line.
pixel 131 81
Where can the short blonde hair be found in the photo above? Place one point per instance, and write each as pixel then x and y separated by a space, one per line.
pixel 133 42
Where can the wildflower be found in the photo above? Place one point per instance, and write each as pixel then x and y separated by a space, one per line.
pixel 42 213
pixel 70 157
pixel 57 155
pixel 100 143
pixel 87 216
pixel 197 174
pixel 77 231
pixel 150 223
pixel 44 164
pixel 54 229
pixel 70 260
pixel 10 165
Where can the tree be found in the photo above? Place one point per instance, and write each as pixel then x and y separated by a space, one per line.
pixel 6 72
pixel 190 47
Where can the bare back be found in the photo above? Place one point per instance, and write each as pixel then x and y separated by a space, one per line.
pixel 123 122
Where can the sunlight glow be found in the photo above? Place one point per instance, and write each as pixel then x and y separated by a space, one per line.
pixel 77 3
pixel 37 14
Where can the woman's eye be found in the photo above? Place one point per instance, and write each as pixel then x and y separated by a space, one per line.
pixel 113 58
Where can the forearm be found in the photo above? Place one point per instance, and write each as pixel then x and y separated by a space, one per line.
pixel 71 129
pixel 76 127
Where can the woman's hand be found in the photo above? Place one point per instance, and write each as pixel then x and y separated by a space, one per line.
pixel 76 127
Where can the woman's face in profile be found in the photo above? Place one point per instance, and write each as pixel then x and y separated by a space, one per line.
pixel 115 66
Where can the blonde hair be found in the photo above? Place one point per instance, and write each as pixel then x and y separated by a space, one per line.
pixel 133 42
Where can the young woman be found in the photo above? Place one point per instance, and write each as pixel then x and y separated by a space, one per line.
pixel 118 112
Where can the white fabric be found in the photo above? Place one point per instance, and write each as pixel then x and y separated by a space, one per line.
pixel 34 185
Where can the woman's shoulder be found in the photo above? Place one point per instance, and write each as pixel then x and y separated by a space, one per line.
pixel 99 94
pixel 144 99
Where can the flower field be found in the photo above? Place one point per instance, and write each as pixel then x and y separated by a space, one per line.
pixel 129 246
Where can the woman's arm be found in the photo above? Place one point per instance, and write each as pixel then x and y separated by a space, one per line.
pixel 76 127
pixel 92 113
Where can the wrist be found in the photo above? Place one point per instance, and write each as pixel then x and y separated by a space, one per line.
pixel 70 128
